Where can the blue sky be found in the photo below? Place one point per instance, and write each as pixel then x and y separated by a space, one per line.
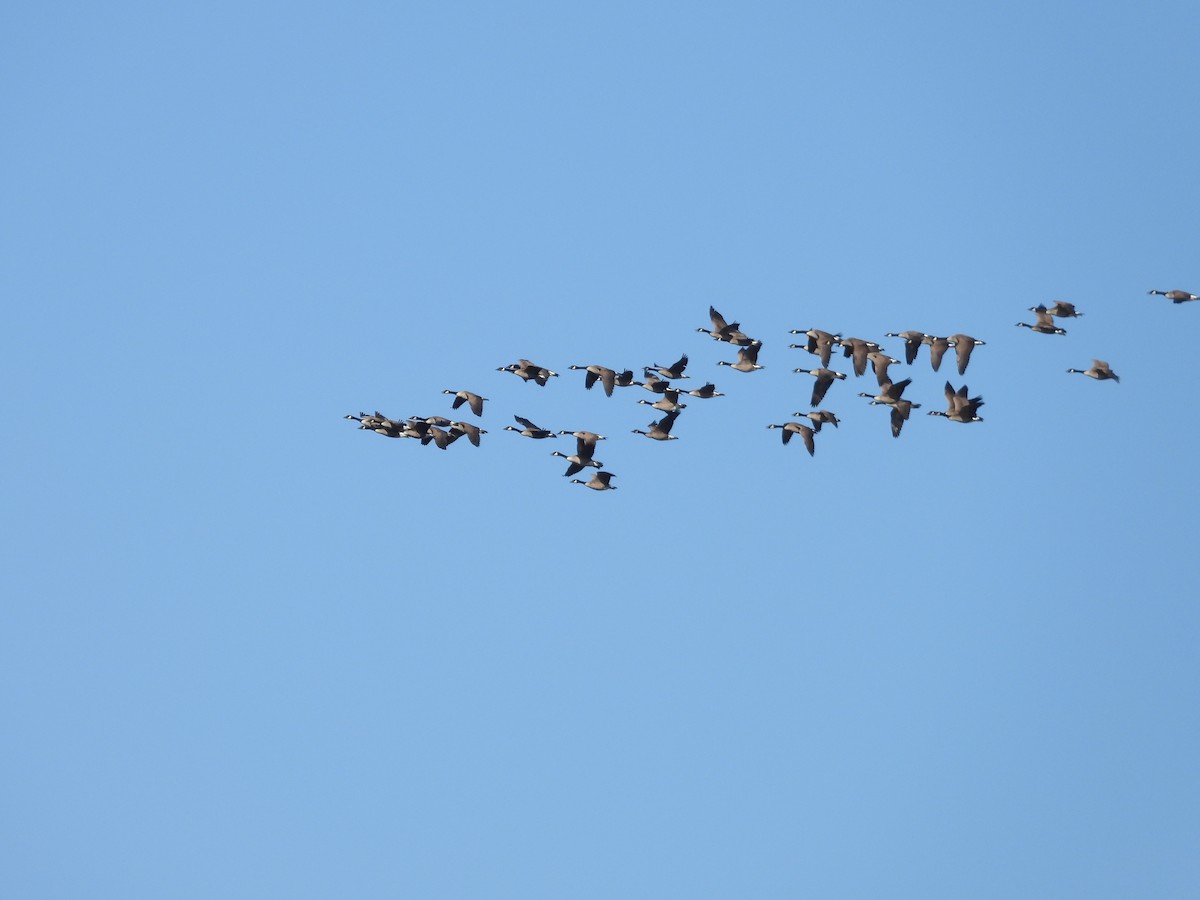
pixel 250 651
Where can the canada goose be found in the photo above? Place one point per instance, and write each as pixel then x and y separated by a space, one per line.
pixel 673 371
pixel 1099 370
pixel 825 377
pixel 388 428
pixel 441 437
pixel 725 331
pixel 889 392
pixel 901 410
pixel 806 434
pixel 577 463
pixel 599 482
pixel 461 397
pixel 937 349
pixel 527 371
pixel 660 430
pixel 531 430
pixel 1061 309
pixel 747 360
pixel 668 403
pixel 585 442
pixel 1044 325
pixel 705 393
pixel 589 437
pixel 960 407
pixel 606 376
pixel 471 431
pixel 858 350
pixel 819 418
pixel 820 343
pixel 912 343
pixel 417 428
pixel 367 421
pixel 625 379
pixel 439 421
pixel 880 362
pixel 654 384
pixel 1176 296
pixel 963 345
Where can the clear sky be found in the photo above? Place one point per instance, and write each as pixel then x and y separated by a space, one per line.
pixel 250 651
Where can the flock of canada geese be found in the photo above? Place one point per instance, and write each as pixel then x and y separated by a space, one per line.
pixel 657 379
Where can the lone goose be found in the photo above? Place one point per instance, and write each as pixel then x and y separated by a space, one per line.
pixel 963 345
pixel 825 377
pixel 747 360
pixel 674 371
pixel 531 430
pixel 1176 296
pixel 937 349
pixel 471 431
pixel 806 434
pixel 577 463
pixel 461 397
pixel 1061 309
pixel 889 392
pixel 960 407
pixel 1099 370
pixel 912 343
pixel 606 376
pixel 705 393
pixel 599 482
pixel 1044 325
pixel 819 418
pixel 660 430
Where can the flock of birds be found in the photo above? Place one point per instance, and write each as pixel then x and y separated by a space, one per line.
pixel 657 379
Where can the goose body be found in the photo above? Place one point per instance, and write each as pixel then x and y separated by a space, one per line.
pixel 890 392
pixel 529 430
pixel 471 431
pixel 937 349
pixel 707 392
pixel 963 345
pixel 825 377
pixel 606 376
pixel 912 343
pixel 960 407
pixel 1043 325
pixel 599 482
pixel 806 434
pixel 474 400
pixel 1099 370
pixel 577 463
pixel 672 372
pixel 1060 310
pixel 661 429
pixel 528 371
pixel 747 360
pixel 1176 296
